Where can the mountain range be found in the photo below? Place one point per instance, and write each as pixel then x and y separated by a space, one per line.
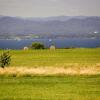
pixel 63 26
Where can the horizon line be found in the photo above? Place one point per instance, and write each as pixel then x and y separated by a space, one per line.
pixel 51 16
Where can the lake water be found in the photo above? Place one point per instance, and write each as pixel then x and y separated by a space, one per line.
pixel 59 43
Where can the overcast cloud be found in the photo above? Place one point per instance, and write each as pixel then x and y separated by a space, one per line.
pixel 45 8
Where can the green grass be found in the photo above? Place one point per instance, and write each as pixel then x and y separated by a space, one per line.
pixel 62 87
pixel 55 57
pixel 50 88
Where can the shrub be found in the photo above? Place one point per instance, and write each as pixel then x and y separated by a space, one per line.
pixel 5 59
pixel 37 45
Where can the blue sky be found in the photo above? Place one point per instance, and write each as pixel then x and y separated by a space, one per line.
pixel 46 8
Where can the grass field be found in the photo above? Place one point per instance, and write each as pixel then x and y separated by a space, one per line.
pixel 62 74
pixel 58 58
pixel 53 62
pixel 50 88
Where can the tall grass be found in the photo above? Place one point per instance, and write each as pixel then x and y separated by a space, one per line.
pixel 51 71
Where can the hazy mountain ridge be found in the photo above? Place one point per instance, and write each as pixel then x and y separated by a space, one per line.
pixel 69 26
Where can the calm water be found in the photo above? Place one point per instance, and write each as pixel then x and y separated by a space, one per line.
pixel 59 43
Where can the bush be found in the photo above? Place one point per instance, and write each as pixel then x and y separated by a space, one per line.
pixel 37 45
pixel 5 59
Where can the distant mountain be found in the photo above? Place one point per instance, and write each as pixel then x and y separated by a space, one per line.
pixel 57 18
pixel 59 25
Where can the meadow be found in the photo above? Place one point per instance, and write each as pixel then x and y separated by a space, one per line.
pixel 52 58
pixel 62 74
pixel 50 88
pixel 53 62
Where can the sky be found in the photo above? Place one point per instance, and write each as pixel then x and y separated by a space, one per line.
pixel 47 8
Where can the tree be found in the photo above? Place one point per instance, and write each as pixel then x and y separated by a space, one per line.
pixel 5 59
pixel 37 45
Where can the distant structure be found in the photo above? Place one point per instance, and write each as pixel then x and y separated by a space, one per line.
pixel 52 47
pixel 26 48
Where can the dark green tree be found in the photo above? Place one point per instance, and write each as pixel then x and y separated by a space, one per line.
pixel 37 45
pixel 5 59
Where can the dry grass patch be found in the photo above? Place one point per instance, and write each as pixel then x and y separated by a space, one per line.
pixel 71 70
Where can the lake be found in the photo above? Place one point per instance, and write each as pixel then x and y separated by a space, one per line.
pixel 59 43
